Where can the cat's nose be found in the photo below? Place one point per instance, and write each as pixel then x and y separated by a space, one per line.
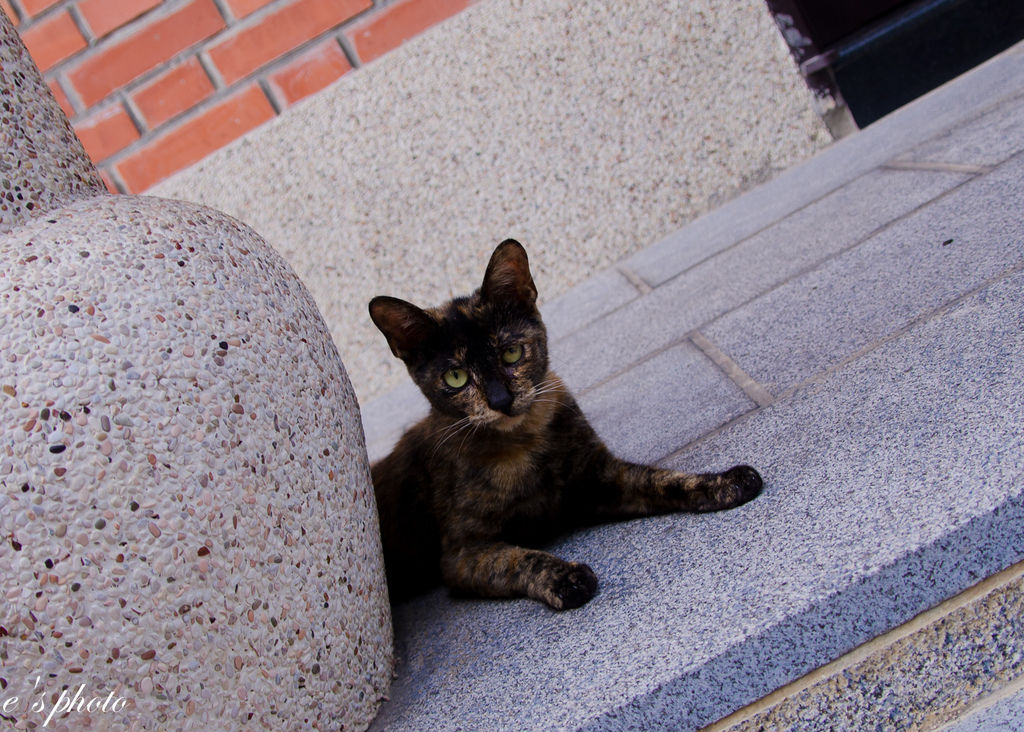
pixel 498 397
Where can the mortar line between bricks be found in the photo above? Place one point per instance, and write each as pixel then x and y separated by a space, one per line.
pixel 818 378
pixel 137 118
pixel 225 12
pixel 211 71
pixel 757 392
pixel 271 94
pixel 878 644
pixel 83 26
pixel 348 49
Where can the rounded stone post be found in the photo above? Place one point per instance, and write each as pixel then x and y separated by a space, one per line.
pixel 188 535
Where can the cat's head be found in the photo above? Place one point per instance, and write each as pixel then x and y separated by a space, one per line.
pixel 484 356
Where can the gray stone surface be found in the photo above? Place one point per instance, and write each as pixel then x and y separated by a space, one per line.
pixel 584 128
pixel 588 301
pixel 986 140
pixel 912 267
pixel 736 275
pixel 920 676
pixel 42 164
pixel 680 390
pixel 1004 715
pixel 894 470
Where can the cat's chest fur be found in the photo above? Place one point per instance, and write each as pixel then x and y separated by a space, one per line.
pixel 506 474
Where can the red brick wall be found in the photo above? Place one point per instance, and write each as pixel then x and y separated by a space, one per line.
pixel 152 86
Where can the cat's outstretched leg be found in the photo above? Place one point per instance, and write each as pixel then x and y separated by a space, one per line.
pixel 630 490
pixel 503 570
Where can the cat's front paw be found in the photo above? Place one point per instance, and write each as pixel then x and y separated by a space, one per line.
pixel 737 486
pixel 570 586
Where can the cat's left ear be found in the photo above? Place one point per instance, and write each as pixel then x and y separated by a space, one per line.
pixel 508 276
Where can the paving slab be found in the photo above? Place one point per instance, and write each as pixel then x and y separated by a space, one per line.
pixel 680 390
pixel 588 301
pixel 918 264
pixel 918 676
pixel 737 275
pixel 986 140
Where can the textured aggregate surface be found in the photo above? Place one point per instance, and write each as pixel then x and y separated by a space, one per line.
pixel 585 129
pixel 42 163
pixel 922 680
pixel 188 537
pixel 187 516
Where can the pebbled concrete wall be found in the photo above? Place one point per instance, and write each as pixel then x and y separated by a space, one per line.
pixel 188 534
pixel 588 130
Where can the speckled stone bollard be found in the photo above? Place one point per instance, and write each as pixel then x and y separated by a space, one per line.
pixel 188 537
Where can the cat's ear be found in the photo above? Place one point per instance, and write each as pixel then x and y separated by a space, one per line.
pixel 406 326
pixel 508 276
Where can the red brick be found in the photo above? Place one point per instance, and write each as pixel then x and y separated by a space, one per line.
pixel 146 49
pixel 53 40
pixel 104 16
pixel 34 7
pixel 311 71
pixel 279 33
pixel 241 8
pixel 179 89
pixel 62 98
pixel 195 139
pixel 10 12
pixel 105 132
pixel 109 182
pixel 397 23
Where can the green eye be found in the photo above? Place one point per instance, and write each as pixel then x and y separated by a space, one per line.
pixel 456 378
pixel 513 354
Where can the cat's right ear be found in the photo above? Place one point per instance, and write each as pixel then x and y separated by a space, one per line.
pixel 406 326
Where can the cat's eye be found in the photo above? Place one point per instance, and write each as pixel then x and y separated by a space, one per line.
pixel 512 354
pixel 456 378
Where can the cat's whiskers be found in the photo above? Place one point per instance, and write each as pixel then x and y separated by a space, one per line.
pixel 450 431
pixel 474 426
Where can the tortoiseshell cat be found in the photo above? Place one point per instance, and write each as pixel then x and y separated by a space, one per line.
pixel 506 459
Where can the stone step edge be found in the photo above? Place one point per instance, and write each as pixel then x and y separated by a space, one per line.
pixel 972 646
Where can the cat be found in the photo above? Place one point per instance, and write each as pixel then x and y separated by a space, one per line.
pixel 505 460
